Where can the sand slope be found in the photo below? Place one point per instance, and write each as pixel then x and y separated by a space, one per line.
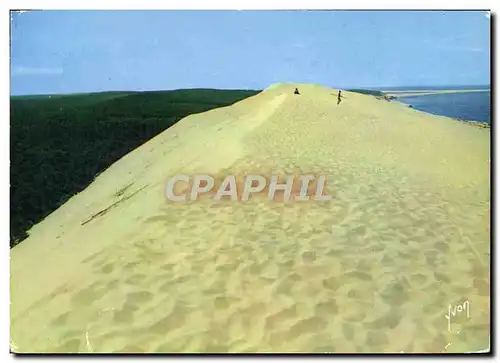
pixel 119 269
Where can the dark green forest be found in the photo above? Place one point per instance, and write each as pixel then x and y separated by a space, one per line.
pixel 60 143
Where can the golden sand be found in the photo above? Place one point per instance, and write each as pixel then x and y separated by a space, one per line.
pixel 118 268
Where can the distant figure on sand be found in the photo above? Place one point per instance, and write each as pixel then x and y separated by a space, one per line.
pixel 339 98
pixel 296 92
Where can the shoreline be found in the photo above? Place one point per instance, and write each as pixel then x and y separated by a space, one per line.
pixel 476 123
pixel 413 93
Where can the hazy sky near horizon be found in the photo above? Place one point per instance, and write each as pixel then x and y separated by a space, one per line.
pixel 91 51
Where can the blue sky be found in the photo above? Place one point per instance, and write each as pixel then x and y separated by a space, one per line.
pixel 90 51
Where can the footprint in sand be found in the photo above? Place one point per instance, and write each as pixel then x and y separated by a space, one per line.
pixel 88 296
pixel 327 308
pixel 306 326
pixel 61 319
pixel 126 314
pixel 376 340
pixel 359 293
pixel 348 331
pixel 352 275
pixel 332 283
pixel 107 268
pixel 223 303
pixel 136 279
pixel 72 333
pixel 93 257
pixel 139 297
pixel 308 257
pixel 395 294
pixel 388 321
pixel 69 346
pixel 281 318
pixel 131 265
pixel 112 284
pixel 174 320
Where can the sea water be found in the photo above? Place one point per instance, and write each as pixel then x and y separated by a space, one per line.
pixel 472 106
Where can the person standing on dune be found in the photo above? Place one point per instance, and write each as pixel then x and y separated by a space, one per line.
pixel 339 97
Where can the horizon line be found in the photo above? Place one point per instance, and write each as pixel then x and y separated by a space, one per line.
pixel 372 88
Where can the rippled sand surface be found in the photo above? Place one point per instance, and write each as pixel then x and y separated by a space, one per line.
pixel 405 239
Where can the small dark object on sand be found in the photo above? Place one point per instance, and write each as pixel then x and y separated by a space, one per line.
pixel 296 92
pixel 339 97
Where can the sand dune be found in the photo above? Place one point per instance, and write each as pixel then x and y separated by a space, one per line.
pixel 118 268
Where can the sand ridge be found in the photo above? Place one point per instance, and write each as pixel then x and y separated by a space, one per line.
pixel 373 270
